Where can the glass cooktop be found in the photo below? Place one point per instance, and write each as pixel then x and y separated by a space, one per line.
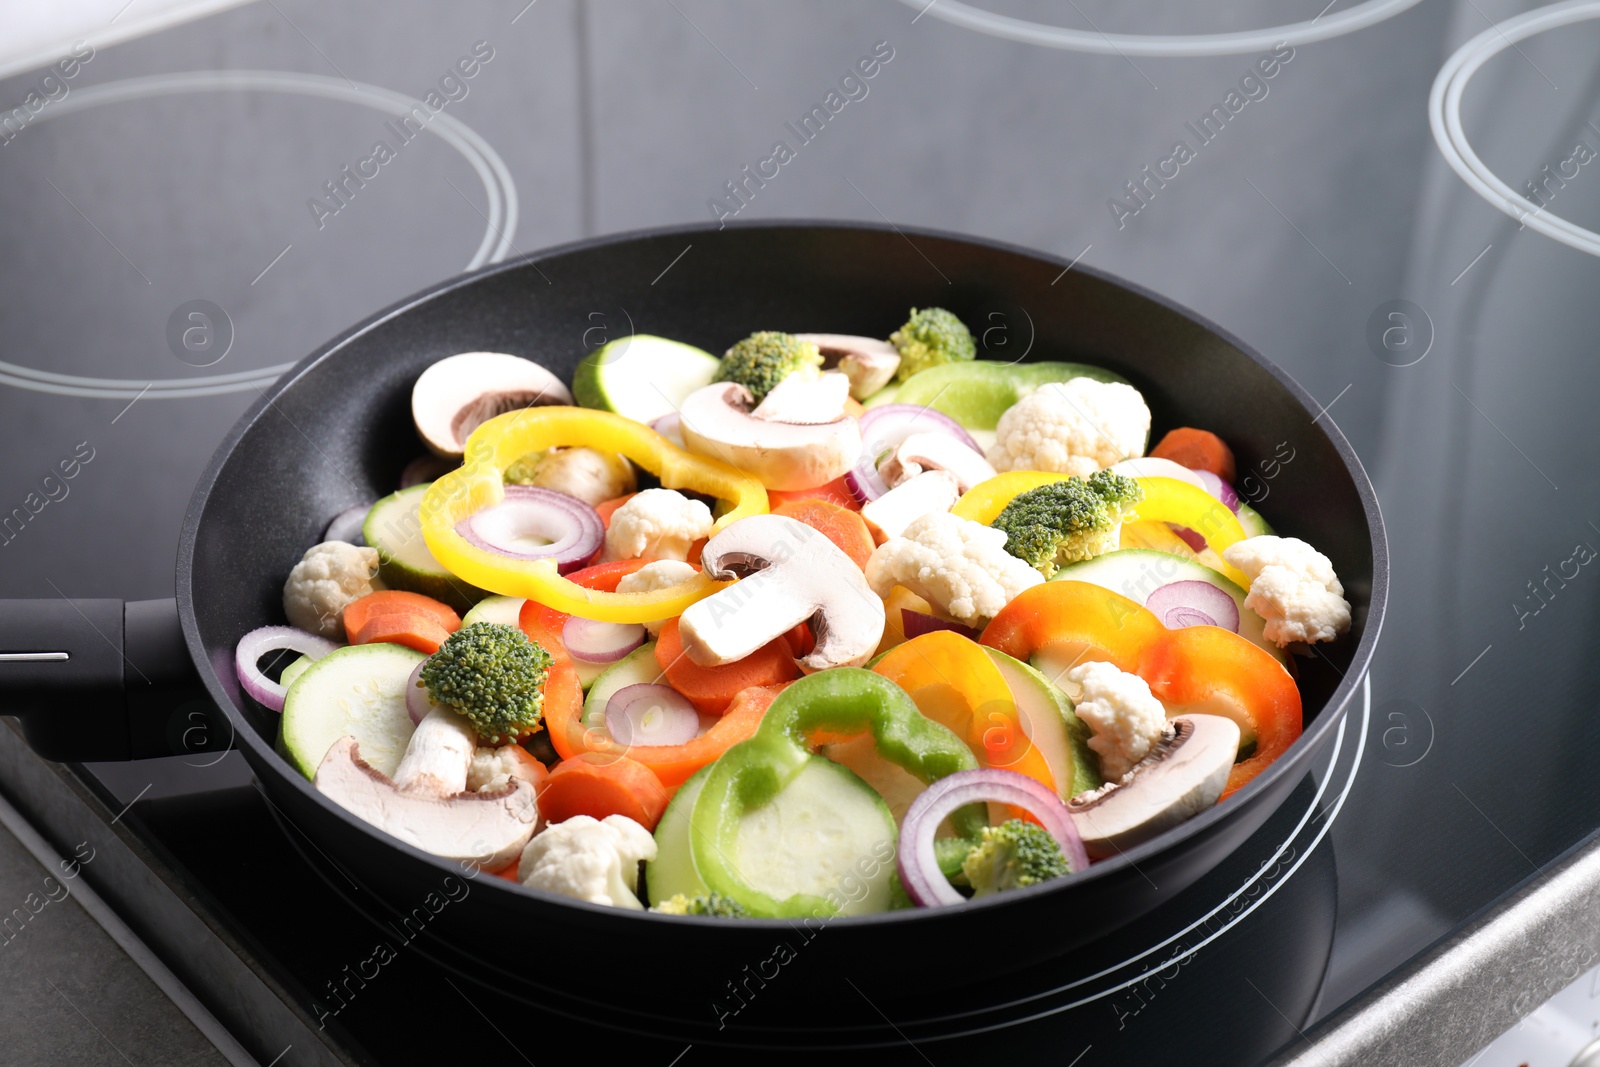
pixel 1388 198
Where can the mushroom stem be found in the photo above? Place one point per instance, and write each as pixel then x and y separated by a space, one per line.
pixel 426 803
pixel 438 755
pixel 790 574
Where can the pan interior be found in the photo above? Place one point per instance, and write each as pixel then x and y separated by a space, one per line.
pixel 337 431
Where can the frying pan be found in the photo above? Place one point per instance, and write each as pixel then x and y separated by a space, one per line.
pixel 335 431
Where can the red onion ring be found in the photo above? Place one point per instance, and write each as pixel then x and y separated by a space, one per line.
pixel 1193 603
pixel 919 865
pixel 629 720
pixel 600 642
pixel 917 623
pixel 571 527
pixel 883 429
pixel 346 526
pixel 1220 489
pixel 257 643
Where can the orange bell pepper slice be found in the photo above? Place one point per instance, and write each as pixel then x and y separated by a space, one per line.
pixel 1203 669
pixel 954 682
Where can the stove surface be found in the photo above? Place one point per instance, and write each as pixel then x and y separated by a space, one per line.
pixel 174 241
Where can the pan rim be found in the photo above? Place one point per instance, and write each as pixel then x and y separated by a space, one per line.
pixel 1295 761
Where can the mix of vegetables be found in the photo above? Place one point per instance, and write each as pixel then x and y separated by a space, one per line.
pixel 829 625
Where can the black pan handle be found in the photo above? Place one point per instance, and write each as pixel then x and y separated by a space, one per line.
pixel 104 680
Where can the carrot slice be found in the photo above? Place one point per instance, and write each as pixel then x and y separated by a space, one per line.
pixel 675 764
pixel 1199 450
pixel 607 508
pixel 712 689
pixel 398 602
pixel 421 632
pixel 597 786
pixel 834 492
pixel 840 525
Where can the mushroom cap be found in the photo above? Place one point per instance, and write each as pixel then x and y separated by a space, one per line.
pixel 715 421
pixel 868 362
pixel 456 395
pixel 1183 776
pixel 484 829
pixel 936 451
pixel 790 573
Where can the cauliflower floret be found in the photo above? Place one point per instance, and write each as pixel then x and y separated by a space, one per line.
pixel 659 523
pixel 491 768
pixel 1292 587
pixel 1075 427
pixel 589 859
pixel 1125 716
pixel 662 574
pixel 590 475
pixel 328 577
pixel 959 566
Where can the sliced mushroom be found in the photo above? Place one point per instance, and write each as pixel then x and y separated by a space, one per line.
pixel 716 422
pixel 805 400
pixel 935 452
pixel 868 362
pixel 458 394
pixel 790 573
pixel 426 803
pixel 1181 777
pixel 890 514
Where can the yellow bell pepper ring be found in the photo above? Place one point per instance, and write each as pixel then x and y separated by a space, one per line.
pixel 1165 500
pixel 480 483
pixel 1169 500
pixel 985 501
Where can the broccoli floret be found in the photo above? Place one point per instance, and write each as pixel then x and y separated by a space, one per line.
pixel 1013 855
pixel 1067 521
pixel 764 359
pixel 494 675
pixel 930 337
pixel 713 904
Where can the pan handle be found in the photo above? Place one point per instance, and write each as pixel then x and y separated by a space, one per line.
pixel 104 680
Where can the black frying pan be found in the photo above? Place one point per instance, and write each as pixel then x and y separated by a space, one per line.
pixel 336 431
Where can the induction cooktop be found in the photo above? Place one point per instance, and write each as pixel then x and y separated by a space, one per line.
pixel 1395 214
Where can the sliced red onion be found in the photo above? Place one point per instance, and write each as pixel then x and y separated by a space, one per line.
pixel 883 429
pixel 1220 489
pixel 425 469
pixel 917 623
pixel 1194 603
pixel 533 523
pixel 670 426
pixel 600 642
pixel 919 865
pixel 257 643
pixel 648 714
pixel 346 526
pixel 1190 537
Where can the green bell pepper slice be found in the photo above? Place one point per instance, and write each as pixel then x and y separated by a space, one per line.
pixel 846 700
